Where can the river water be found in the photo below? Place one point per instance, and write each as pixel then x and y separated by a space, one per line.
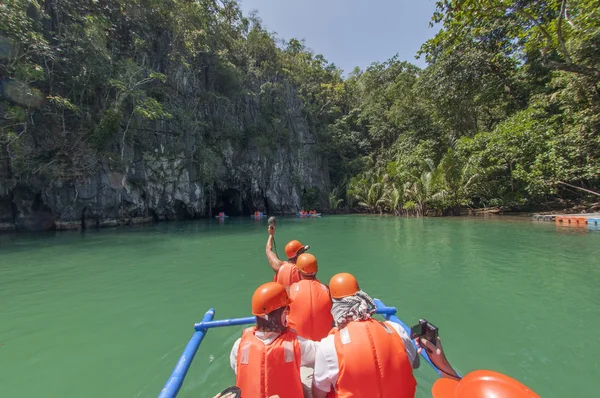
pixel 107 313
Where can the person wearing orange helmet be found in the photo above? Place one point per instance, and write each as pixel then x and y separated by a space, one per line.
pixel 286 272
pixel 476 384
pixel 267 358
pixel 310 311
pixel 362 357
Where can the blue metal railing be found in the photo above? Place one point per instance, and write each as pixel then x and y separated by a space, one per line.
pixel 383 310
pixel 174 383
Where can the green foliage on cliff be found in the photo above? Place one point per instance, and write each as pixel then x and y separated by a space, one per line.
pixel 507 111
pixel 86 81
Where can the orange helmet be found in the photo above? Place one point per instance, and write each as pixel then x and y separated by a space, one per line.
pixel 342 285
pixel 269 297
pixel 307 264
pixel 481 384
pixel 292 248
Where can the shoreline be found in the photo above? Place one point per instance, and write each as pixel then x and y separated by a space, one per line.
pixel 11 228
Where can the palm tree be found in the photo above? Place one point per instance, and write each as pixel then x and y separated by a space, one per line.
pixel 374 200
pixel 458 180
pixel 334 200
pixel 369 195
pixel 394 198
pixel 421 189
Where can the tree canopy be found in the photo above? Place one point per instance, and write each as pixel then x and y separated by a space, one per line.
pixel 507 112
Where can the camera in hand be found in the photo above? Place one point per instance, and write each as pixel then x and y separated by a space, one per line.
pixel 426 330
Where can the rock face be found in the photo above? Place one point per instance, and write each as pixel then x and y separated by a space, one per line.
pixel 173 173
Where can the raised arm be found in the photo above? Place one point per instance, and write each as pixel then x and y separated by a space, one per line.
pixel 274 261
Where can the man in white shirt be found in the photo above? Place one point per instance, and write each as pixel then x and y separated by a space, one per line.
pixel 308 348
pixel 358 340
pixel 326 361
pixel 289 358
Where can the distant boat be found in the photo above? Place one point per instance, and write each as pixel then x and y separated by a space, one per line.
pixel 261 215
pixel 222 216
pixel 308 215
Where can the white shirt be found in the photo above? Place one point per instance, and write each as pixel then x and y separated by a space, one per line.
pixel 308 348
pixel 326 360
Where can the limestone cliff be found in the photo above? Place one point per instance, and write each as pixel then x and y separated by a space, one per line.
pixel 124 111
pixel 169 173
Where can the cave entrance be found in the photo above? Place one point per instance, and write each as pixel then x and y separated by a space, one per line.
pixel 230 202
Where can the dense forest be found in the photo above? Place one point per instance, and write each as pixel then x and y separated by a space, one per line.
pixel 113 109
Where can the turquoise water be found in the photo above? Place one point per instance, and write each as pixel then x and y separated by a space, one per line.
pixel 107 313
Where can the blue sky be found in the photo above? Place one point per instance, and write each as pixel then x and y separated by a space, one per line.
pixel 352 32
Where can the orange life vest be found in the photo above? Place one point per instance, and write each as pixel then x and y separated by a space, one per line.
pixel 372 362
pixel 266 370
pixel 310 311
pixel 287 274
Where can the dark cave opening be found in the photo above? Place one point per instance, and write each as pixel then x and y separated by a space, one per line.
pixel 230 202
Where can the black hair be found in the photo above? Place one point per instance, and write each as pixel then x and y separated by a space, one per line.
pixel 298 253
pixel 273 324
